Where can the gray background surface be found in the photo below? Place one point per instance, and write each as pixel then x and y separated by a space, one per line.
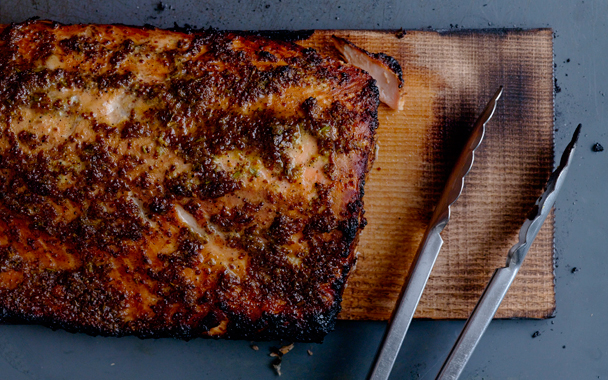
pixel 573 345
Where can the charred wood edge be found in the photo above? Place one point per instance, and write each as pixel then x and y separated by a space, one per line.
pixel 304 34
pixel 489 31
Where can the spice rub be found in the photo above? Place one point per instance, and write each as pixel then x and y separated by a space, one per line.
pixel 159 183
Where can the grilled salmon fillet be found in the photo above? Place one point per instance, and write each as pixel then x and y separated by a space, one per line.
pixel 158 183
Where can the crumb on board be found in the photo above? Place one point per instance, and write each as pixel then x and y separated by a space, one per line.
pixel 309 352
pixel 574 270
pixel 254 347
pixel 597 147
pixel 535 334
pixel 556 87
pixel 276 364
pixel 285 349
pixel 160 6
pixel 278 353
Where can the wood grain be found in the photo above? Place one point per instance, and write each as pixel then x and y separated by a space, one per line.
pixel 448 79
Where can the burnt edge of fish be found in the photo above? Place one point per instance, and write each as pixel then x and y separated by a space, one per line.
pixel 151 183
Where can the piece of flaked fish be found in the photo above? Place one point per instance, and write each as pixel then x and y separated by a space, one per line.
pixel 383 68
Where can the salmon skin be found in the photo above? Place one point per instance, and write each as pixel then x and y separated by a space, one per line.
pixel 158 183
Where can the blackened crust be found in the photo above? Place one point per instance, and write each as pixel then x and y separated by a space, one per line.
pixel 392 64
pixel 268 327
pixel 281 35
pixel 94 234
pixel 381 58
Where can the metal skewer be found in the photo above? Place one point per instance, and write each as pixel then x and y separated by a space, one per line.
pixel 428 251
pixel 503 277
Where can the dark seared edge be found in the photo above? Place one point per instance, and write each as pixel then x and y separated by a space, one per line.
pixel 390 62
pixel 194 116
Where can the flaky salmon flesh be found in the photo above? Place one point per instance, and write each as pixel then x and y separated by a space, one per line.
pixel 161 183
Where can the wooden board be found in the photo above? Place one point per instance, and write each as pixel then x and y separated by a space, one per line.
pixel 448 79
